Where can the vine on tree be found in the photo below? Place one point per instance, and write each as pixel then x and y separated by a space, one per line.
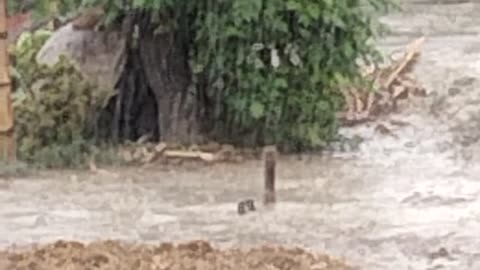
pixel 267 71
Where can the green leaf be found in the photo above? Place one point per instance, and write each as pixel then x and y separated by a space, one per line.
pixel 323 106
pixel 293 5
pixel 314 137
pixel 232 31
pixel 338 21
pixel 256 110
pixel 314 10
pixel 280 83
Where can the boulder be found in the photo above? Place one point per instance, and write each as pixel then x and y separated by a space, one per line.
pixel 99 56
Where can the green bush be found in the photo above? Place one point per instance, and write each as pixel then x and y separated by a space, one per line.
pixel 54 108
pixel 279 62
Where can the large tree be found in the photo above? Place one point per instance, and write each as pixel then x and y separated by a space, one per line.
pixel 245 71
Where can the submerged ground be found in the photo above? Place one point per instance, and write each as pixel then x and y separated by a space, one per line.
pixel 409 201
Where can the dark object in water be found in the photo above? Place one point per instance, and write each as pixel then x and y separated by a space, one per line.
pixel 241 208
pixel 250 205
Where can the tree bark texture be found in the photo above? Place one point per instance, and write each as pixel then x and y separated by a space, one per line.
pixel 153 91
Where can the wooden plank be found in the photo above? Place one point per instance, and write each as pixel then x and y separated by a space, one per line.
pixel 4 62
pixel 8 147
pixel 3 16
pixel 6 111
pixel 7 136
pixel 270 161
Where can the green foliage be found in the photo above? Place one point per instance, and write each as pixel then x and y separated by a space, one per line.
pixel 277 63
pixel 13 7
pixel 16 6
pixel 54 108
pixel 271 67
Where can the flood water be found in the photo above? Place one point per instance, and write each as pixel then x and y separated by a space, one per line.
pixel 404 202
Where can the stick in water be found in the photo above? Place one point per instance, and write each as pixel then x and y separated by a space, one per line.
pixel 270 156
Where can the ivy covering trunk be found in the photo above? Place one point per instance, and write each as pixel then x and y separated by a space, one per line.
pixel 249 72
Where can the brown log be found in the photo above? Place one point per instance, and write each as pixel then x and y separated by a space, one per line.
pixel 208 157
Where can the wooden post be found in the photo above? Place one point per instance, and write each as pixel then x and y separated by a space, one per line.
pixel 7 139
pixel 270 159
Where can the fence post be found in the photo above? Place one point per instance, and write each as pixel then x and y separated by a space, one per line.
pixel 8 147
pixel 270 162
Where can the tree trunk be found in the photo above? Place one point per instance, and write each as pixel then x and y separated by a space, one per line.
pixel 153 91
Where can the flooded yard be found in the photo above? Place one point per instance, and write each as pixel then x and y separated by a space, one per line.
pixel 405 202
pixel 375 216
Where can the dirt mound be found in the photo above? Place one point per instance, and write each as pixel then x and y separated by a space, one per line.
pixel 193 255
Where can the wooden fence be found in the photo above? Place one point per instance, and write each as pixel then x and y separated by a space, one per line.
pixel 7 138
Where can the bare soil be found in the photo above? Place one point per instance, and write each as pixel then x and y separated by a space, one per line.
pixel 191 255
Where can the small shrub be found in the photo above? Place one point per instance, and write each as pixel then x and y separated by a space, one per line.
pixel 54 106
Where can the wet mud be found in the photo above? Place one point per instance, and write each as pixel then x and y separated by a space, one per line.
pixel 191 255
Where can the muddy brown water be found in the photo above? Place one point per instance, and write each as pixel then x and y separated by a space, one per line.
pixel 410 202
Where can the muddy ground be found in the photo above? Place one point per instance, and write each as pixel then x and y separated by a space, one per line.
pixel 409 201
pixel 192 255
